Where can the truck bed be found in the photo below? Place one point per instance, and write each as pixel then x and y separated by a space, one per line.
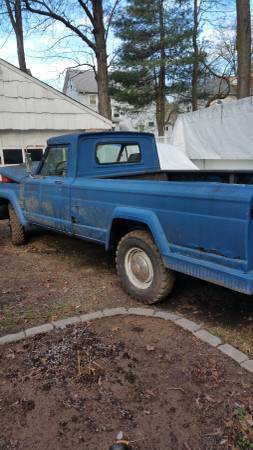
pixel 215 176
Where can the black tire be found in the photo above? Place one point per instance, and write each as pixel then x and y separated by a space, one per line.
pixel 162 279
pixel 18 236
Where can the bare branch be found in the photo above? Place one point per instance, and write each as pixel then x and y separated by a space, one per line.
pixel 6 39
pixel 10 14
pixel 220 95
pixel 55 16
pixel 87 11
pixel 116 3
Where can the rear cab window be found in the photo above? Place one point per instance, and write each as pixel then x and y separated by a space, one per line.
pixel 54 162
pixel 118 153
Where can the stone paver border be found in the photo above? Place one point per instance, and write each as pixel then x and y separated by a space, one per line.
pixel 194 328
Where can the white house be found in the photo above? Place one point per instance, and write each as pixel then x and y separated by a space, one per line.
pixel 82 86
pixel 31 112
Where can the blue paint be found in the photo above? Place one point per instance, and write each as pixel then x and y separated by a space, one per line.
pixel 204 229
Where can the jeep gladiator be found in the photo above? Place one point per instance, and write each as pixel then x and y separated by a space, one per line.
pixel 108 188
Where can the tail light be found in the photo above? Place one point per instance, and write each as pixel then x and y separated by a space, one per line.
pixel 4 179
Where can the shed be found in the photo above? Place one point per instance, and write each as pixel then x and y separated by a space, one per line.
pixel 32 111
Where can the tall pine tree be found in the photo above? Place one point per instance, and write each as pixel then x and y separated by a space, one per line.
pixel 154 53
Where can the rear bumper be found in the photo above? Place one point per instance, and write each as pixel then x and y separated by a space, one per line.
pixel 205 270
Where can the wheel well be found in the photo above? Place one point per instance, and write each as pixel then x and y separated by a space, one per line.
pixel 4 213
pixel 120 227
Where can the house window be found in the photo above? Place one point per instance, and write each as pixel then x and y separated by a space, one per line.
pixel 116 114
pixel 93 99
pixel 36 153
pixel 118 153
pixel 151 124
pixel 13 156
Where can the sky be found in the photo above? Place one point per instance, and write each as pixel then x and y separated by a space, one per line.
pixel 46 69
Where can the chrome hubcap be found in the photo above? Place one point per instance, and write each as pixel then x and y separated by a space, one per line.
pixel 139 268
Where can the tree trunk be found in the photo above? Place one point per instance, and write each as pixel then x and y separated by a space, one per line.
pixel 21 53
pixel 160 116
pixel 243 48
pixel 104 105
pixel 160 100
pixel 195 65
pixel 20 37
pixel 17 24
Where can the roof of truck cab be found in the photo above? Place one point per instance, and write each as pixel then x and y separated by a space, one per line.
pixel 74 137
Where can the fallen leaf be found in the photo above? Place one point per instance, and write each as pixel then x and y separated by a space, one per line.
pixel 150 348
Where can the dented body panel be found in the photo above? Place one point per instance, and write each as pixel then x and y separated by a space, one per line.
pixel 202 228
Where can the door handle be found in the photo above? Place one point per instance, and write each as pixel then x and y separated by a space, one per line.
pixel 58 182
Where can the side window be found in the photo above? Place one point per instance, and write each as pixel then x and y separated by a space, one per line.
pixel 55 162
pixel 118 153
pixel 36 153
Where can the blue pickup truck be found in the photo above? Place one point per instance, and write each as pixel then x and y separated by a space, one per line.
pixel 108 188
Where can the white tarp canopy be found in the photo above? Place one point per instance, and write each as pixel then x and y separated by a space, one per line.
pixel 172 158
pixel 222 131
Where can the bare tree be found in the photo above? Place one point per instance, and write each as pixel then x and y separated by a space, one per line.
pixel 14 12
pixel 223 91
pixel 206 57
pixel 225 49
pixel 91 29
pixel 243 48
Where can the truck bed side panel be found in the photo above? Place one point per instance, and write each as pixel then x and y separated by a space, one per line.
pixel 195 217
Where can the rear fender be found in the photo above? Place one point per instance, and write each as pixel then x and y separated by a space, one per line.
pixel 10 196
pixel 145 217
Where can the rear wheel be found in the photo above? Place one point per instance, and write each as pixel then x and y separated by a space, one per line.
pixel 18 236
pixel 141 270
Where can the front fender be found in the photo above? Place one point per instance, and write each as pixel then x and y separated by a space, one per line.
pixel 9 195
pixel 146 217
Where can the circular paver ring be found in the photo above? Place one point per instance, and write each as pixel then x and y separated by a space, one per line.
pixel 193 327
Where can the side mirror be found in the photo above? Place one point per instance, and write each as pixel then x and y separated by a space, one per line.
pixel 28 163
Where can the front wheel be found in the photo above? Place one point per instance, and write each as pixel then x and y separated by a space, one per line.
pixel 18 236
pixel 141 270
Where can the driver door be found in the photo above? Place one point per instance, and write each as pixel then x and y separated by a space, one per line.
pixel 54 187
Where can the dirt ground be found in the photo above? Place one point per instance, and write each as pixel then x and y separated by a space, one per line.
pixel 54 276
pixel 164 389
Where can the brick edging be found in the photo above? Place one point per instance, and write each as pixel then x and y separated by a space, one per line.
pixel 194 328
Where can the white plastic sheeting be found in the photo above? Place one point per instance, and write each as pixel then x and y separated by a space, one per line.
pixel 172 158
pixel 222 131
